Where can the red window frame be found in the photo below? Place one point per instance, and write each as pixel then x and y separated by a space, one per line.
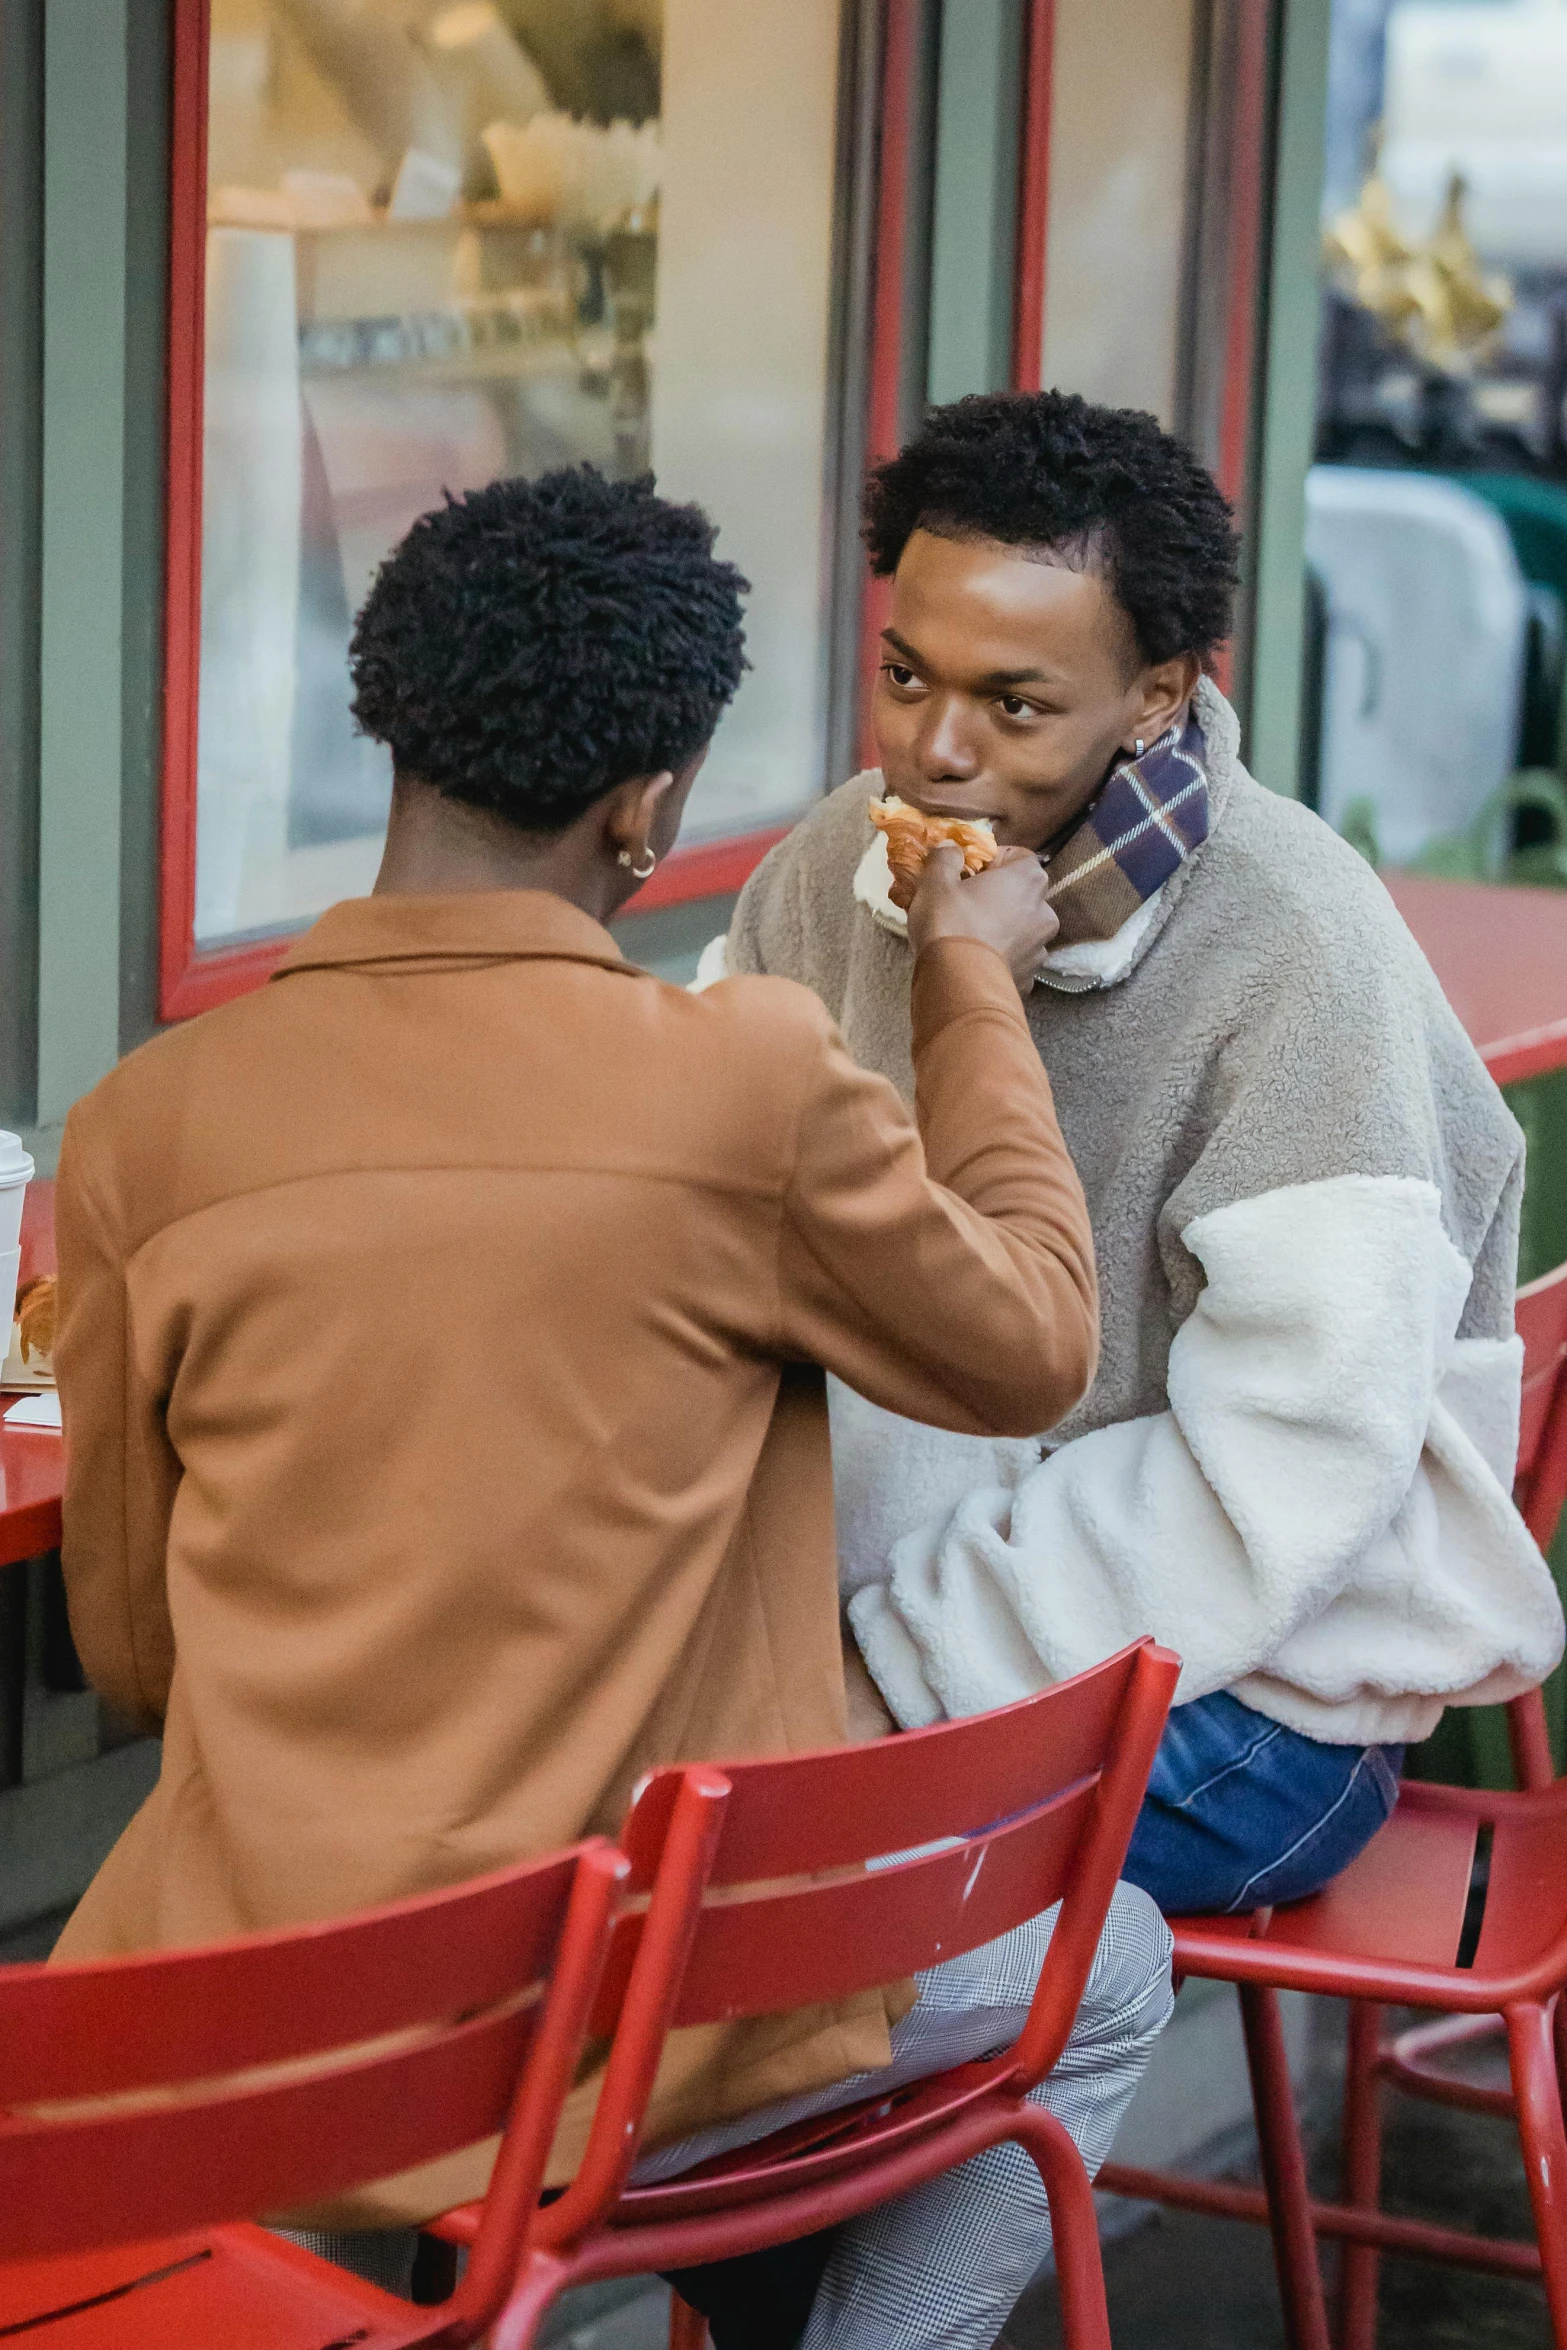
pixel 1249 138
pixel 187 982
pixel 1238 454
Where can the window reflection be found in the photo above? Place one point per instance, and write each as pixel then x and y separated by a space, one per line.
pixel 433 256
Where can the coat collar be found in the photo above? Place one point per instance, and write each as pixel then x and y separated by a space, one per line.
pixel 499 925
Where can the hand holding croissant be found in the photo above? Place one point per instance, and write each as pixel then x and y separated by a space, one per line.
pixel 1006 907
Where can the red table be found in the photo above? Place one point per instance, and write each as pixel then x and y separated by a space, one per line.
pixel 32 1460
pixel 32 1472
pixel 1501 956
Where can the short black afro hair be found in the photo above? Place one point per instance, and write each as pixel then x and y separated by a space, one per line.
pixel 532 644
pixel 1105 487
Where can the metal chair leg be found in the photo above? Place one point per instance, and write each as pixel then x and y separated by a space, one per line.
pixel 1362 2174
pixel 1074 2228
pixel 1532 2055
pixel 687 2326
pixel 543 2279
pixel 1284 2171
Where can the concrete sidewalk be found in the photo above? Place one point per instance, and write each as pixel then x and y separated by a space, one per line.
pixel 1186 2283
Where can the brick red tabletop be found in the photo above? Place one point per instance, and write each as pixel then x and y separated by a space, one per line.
pixel 1501 956
pixel 32 1472
pixel 32 1460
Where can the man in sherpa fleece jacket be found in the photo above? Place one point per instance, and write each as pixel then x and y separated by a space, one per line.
pixel 1295 1464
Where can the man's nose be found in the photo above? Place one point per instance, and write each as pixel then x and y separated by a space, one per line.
pixel 946 746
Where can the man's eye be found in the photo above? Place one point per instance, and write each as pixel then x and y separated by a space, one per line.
pixel 896 673
pixel 1014 706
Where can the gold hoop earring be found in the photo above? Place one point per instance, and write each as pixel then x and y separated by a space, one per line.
pixel 643 868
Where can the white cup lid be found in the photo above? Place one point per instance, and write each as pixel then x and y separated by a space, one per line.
pixel 15 1164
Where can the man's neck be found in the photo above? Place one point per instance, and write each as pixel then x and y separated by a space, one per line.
pixel 438 847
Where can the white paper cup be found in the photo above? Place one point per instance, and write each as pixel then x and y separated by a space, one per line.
pixel 10 1267
pixel 16 1172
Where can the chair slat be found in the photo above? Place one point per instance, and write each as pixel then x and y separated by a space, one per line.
pixel 197 2161
pixel 816 1943
pixel 176 2016
pixel 794 1813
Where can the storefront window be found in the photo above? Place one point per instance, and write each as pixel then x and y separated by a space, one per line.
pixel 1119 169
pixel 1436 513
pixel 1437 510
pixel 1159 169
pixel 449 242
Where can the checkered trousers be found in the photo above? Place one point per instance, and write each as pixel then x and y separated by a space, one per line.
pixel 940 2268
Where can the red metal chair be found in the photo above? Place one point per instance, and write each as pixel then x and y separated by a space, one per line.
pixel 798 1919
pixel 148 2104
pixel 1392 1931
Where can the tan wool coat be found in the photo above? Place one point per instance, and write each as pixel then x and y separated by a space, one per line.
pixel 439 1346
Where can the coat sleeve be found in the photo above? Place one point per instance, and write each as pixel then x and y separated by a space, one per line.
pixel 946 1273
pixel 121 1472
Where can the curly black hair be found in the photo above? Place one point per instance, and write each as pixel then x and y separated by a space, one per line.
pixel 532 644
pixel 1105 487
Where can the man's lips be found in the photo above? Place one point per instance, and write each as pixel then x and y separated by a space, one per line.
pixel 961 815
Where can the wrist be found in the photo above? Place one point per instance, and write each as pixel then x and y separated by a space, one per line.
pixel 957 976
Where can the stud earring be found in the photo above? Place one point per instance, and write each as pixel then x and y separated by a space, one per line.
pixel 643 867
pixel 1140 747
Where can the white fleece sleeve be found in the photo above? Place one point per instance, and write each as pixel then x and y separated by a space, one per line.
pixel 1279 1519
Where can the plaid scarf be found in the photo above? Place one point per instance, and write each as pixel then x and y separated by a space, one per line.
pixel 1145 821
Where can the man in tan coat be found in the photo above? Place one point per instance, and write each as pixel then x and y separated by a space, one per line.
pixel 441 1324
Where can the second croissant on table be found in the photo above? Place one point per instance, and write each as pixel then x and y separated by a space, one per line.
pixel 911 835
pixel 36 1306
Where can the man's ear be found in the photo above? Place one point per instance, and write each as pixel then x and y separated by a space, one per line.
pixel 1165 688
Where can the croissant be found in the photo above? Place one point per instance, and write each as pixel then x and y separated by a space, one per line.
pixel 911 835
pixel 35 1314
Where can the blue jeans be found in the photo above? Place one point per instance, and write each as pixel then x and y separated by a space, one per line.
pixel 1241 1812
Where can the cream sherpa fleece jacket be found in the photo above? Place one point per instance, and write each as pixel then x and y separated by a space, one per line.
pixel 1294 1465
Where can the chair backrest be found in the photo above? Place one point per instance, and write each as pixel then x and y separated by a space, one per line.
pixel 1541 1486
pixel 819 1875
pixel 143 2096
